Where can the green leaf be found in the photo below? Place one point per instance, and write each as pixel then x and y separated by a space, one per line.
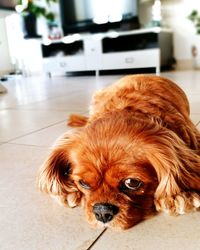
pixel 38 10
pixel 193 15
pixel 50 16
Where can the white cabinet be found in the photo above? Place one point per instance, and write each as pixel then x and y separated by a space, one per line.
pixel 147 48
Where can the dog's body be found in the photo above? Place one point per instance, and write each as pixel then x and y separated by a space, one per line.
pixel 136 153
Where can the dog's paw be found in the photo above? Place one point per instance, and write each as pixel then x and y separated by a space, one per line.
pixel 73 199
pixel 70 200
pixel 180 204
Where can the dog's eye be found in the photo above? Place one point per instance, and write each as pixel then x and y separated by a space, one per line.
pixel 84 184
pixel 66 171
pixel 132 184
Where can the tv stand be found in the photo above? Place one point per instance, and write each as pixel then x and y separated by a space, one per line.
pixel 136 49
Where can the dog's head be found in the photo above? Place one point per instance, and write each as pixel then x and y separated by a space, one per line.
pixel 117 167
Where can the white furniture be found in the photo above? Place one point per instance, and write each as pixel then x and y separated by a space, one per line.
pixel 136 49
pixel 5 59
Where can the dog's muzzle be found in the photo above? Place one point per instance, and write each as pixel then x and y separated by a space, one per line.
pixel 105 212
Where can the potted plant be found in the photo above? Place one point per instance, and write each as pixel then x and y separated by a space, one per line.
pixel 194 17
pixel 30 10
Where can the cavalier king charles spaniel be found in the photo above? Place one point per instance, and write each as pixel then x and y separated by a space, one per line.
pixel 137 153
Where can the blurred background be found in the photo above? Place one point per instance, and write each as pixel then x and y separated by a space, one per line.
pixel 69 21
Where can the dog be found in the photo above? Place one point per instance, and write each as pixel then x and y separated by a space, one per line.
pixel 138 153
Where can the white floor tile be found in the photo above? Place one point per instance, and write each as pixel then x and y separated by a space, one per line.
pixel 25 90
pixel 15 123
pixel 69 103
pixel 29 219
pixel 195 118
pixel 34 113
pixel 161 232
pixel 45 137
pixel 187 80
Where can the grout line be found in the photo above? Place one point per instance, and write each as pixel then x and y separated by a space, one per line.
pixel 2 143
pixel 45 109
pixel 27 145
pixel 35 131
pixel 93 243
pixel 197 123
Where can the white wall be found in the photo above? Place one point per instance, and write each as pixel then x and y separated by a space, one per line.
pixel 174 15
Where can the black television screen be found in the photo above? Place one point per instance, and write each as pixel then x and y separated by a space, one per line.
pixel 7 4
pixel 98 15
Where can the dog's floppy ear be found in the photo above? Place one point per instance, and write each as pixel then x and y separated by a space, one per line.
pixel 178 172
pixel 54 174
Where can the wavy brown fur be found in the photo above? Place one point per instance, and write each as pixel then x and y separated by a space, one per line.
pixel 138 128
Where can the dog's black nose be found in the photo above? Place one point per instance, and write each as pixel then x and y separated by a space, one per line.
pixel 105 212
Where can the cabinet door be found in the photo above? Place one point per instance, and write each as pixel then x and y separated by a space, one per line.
pixel 136 59
pixel 93 54
pixel 64 64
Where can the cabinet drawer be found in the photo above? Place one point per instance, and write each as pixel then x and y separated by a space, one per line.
pixel 72 63
pixel 136 59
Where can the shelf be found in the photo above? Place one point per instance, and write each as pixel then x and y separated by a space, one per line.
pixel 130 42
pixel 62 49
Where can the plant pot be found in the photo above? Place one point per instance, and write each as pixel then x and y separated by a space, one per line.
pixel 195 51
pixel 29 26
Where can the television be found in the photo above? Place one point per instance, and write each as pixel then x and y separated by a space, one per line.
pixel 98 15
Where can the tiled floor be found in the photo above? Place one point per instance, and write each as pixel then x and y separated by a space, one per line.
pixel 32 115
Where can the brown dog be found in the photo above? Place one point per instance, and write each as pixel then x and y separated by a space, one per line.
pixel 137 153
